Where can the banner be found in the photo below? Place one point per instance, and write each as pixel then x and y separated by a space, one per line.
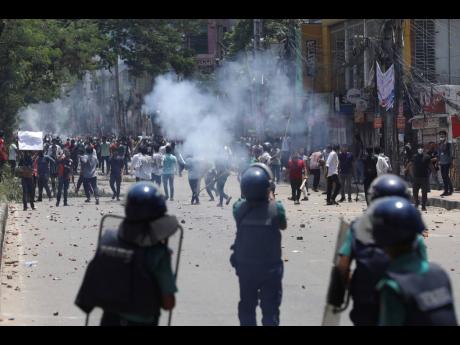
pixel 386 87
pixel 30 141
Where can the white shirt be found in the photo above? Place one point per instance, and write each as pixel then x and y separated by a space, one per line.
pixel 142 166
pixel 382 164
pixel 12 152
pixel 157 159
pixel 332 163
pixel 265 158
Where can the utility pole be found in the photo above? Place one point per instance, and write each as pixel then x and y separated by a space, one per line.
pixel 117 99
pixel 257 79
pixel 399 98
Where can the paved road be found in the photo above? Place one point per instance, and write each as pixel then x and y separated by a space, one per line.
pixel 62 240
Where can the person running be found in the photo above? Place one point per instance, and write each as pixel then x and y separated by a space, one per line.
pixel 210 181
pixel 169 170
pixel 194 167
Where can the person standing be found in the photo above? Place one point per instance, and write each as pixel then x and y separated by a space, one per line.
pixel 64 171
pixel 421 163
pixel 259 219
pixel 296 167
pixel 43 173
pixel 275 162
pixel 433 153
pixel 116 172
pixel 27 170
pixel 346 160
pixel 132 291
pixel 332 175
pixel 54 152
pixel 370 171
pixel 169 170
pixel 315 168
pixel 12 156
pixel 89 165
pixel 142 165
pixel 383 162
pixel 105 155
pixel 3 154
pixel 157 159
pixel 445 162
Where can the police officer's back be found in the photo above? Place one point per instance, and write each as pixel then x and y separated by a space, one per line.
pixel 257 247
pixel 413 292
pixel 371 260
pixel 130 277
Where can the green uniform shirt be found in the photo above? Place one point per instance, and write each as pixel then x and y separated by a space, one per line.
pixel 392 308
pixel 159 265
pixel 279 208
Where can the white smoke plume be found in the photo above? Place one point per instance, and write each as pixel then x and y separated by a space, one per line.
pixel 208 119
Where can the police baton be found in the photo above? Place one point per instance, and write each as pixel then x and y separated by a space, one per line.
pixel 179 250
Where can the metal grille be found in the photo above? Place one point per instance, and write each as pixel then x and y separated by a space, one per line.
pixel 424 57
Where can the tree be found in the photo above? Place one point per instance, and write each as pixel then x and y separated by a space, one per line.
pixel 38 57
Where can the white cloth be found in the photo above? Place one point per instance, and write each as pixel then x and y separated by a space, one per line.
pixel 142 166
pixel 332 163
pixel 58 150
pixel 157 159
pixel 12 152
pixel 385 87
pixel 265 158
pixel 383 165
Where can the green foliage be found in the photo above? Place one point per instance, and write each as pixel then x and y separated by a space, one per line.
pixel 10 187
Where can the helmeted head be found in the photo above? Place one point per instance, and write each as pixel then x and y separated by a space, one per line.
pixel 394 221
pixel 388 185
pixel 144 203
pixel 256 182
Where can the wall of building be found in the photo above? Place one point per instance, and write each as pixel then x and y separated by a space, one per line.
pixel 447 51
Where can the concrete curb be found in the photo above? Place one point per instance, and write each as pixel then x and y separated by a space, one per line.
pixel 444 203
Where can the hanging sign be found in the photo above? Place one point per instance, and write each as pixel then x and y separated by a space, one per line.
pixel 378 122
pixel 400 122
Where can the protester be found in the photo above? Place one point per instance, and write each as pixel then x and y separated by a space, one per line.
pixel 275 162
pixel 195 171
pixel 64 170
pixel 169 170
pixel 105 155
pixel 434 168
pixel 26 173
pixel 89 164
pixel 116 164
pixel 445 162
pixel 370 171
pixel 383 162
pixel 223 172
pixel 157 161
pixel 346 160
pixel 315 168
pixel 421 163
pixel 3 154
pixel 12 156
pixel 332 166
pixel 295 167
pixel 43 172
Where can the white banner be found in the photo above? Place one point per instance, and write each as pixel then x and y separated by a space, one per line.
pixel 385 87
pixel 30 141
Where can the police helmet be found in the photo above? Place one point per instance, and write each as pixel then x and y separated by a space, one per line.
pixel 144 202
pixel 394 220
pixel 255 182
pixel 388 185
pixel 267 146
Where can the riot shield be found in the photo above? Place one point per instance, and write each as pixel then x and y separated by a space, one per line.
pixel 174 243
pixel 334 299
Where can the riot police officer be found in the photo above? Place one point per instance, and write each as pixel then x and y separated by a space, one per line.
pixel 257 247
pixel 371 260
pixel 131 277
pixel 413 291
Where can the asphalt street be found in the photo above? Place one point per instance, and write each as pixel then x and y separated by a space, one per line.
pixel 46 252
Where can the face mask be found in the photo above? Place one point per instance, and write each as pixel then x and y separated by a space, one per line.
pixel 420 151
pixel 442 138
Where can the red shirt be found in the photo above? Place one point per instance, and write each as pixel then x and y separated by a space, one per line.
pixel 3 154
pixel 295 169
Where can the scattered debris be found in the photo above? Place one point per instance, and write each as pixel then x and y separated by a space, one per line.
pixel 299 238
pixel 56 313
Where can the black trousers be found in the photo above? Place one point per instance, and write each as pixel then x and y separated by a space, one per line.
pixel 90 185
pixel 43 183
pixel 63 187
pixel 105 159
pixel 115 180
pixel 194 183
pixel 417 184
pixel 111 319
pixel 445 169
pixel 330 180
pixel 316 176
pixel 295 189
pixel 27 191
pixel 367 182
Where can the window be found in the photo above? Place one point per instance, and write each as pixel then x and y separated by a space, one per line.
pixel 424 57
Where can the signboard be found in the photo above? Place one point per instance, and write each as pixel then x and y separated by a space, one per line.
pixel 455 120
pixel 429 122
pixel 400 122
pixel 30 141
pixel 378 122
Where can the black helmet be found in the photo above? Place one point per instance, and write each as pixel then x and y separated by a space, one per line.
pixel 388 185
pixel 267 146
pixel 144 203
pixel 255 182
pixel 394 220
